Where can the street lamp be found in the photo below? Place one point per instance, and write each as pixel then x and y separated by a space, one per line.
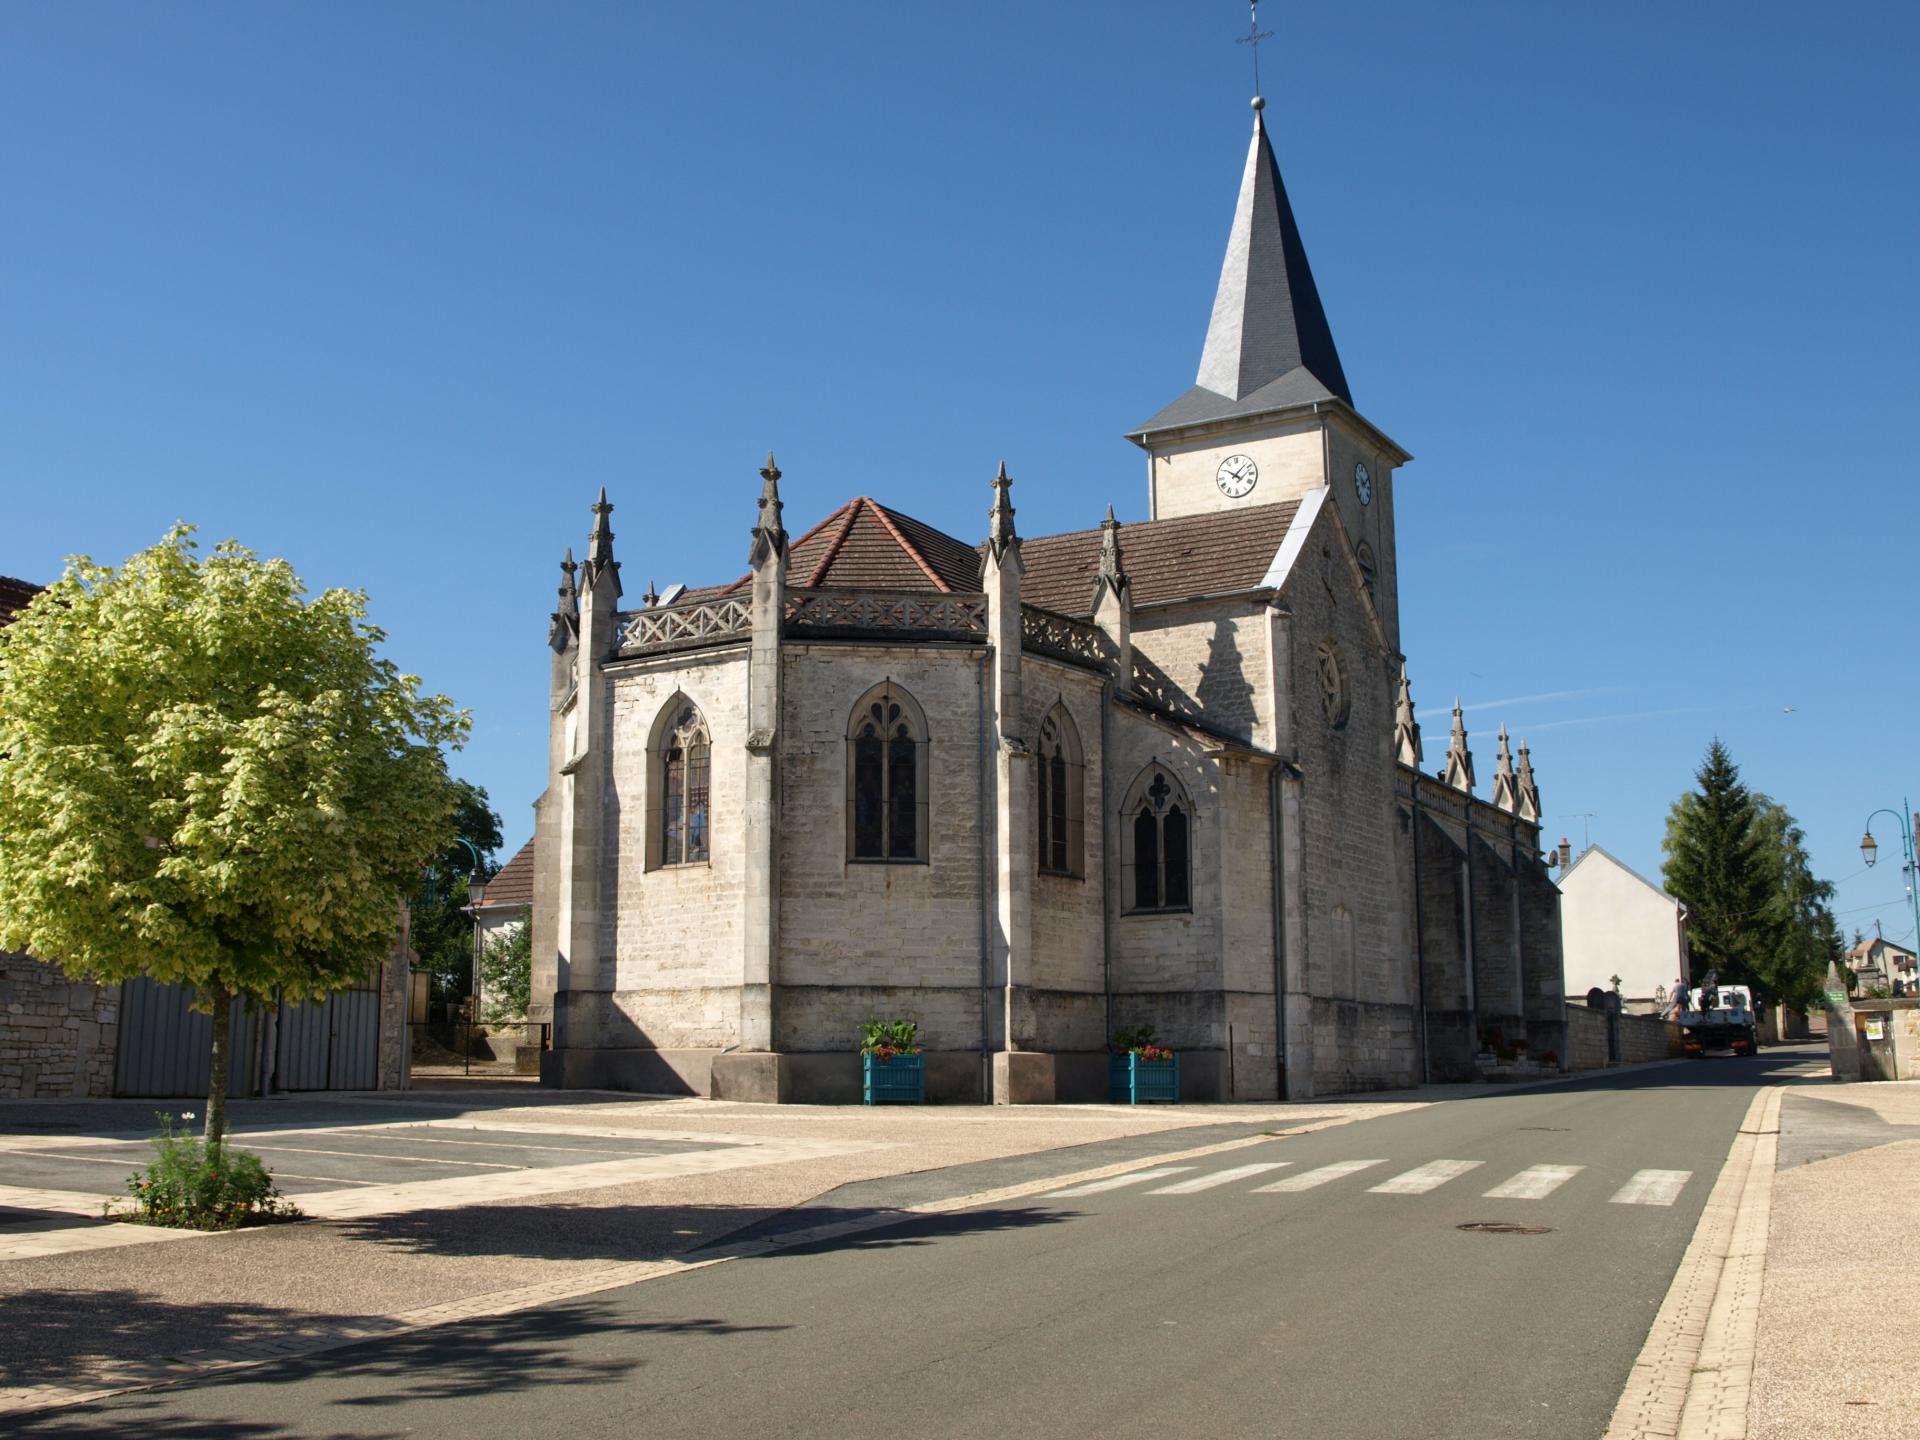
pixel 476 893
pixel 1869 852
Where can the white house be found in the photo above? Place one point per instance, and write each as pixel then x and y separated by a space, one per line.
pixel 1617 924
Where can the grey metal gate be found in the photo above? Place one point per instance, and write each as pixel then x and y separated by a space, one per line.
pixel 331 1044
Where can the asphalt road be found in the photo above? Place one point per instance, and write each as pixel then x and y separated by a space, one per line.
pixel 1325 1307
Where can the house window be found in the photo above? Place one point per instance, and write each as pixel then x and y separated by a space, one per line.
pixel 1157 830
pixel 887 778
pixel 684 795
pixel 1059 777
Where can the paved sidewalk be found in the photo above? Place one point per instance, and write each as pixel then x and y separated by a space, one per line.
pixel 1839 1323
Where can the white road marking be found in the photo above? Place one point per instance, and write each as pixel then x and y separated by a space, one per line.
pixel 1218 1177
pixel 1652 1187
pixel 376 1155
pixel 1116 1182
pixel 1308 1179
pixel 1535 1183
pixel 1423 1178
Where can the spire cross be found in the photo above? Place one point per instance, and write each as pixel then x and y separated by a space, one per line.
pixel 1252 39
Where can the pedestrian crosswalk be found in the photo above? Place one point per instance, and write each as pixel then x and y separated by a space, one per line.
pixel 1536 1182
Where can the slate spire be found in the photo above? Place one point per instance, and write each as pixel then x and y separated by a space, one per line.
pixel 1267 318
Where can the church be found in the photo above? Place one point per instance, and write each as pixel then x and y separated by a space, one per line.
pixel 1026 790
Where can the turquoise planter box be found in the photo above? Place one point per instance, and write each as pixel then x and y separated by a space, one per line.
pixel 894 1080
pixel 1133 1081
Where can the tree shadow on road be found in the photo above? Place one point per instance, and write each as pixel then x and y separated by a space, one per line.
pixel 485 1358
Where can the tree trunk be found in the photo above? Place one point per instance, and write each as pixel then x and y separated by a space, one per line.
pixel 222 1049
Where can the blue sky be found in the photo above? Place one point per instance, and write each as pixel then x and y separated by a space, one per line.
pixel 392 290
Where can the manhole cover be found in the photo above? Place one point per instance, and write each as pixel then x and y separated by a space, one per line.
pixel 1504 1227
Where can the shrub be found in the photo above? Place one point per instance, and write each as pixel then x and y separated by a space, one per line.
pixel 194 1186
pixel 887 1038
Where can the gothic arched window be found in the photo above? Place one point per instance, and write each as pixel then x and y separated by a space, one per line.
pixel 1059 795
pixel 685 780
pixel 680 777
pixel 1157 829
pixel 887 777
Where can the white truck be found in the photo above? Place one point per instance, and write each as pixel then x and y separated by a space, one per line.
pixel 1718 1017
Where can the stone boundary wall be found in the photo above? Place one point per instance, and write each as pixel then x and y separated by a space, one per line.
pixel 1586 1039
pixel 58 1037
pixel 1643 1037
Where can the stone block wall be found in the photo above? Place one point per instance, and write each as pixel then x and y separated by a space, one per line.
pixel 58 1037
pixel 1643 1037
pixel 849 930
pixel 1064 1006
pixel 1586 1039
pixel 676 931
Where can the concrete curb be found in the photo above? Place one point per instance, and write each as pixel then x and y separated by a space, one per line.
pixel 1694 1376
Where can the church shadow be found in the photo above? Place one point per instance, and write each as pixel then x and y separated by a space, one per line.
pixel 622 1234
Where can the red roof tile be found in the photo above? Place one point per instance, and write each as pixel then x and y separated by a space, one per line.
pixel 512 884
pixel 1163 559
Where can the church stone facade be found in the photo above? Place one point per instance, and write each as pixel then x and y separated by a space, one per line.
pixel 1028 790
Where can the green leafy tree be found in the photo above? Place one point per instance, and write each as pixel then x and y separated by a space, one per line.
pixel 213 780
pixel 442 928
pixel 1805 937
pixel 506 973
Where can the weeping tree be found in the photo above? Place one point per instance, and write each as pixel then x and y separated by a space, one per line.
pixel 212 780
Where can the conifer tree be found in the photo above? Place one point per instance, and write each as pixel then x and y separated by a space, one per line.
pixel 1717 867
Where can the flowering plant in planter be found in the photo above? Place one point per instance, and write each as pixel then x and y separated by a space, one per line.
pixel 1138 1069
pixel 1138 1040
pixel 885 1039
pixel 892 1072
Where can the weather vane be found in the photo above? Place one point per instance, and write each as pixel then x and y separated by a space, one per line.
pixel 1252 38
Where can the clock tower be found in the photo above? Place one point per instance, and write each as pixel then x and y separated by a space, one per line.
pixel 1270 416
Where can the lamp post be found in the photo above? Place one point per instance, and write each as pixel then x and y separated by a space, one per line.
pixel 1869 852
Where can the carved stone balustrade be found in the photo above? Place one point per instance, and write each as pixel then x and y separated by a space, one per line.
pixel 895 614
pixel 685 627
pixel 1076 641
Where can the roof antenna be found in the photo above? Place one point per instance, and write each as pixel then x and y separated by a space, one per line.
pixel 1252 39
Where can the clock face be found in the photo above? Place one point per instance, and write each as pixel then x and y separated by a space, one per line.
pixel 1363 483
pixel 1236 476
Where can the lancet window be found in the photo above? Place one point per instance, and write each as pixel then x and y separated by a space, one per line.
pixel 1060 799
pixel 685 774
pixel 1157 829
pixel 887 778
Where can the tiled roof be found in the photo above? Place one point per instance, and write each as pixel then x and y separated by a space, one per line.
pixel 865 545
pixel 1163 559
pixel 14 595
pixel 512 884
